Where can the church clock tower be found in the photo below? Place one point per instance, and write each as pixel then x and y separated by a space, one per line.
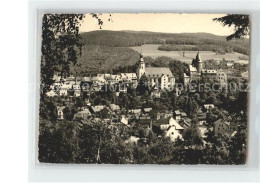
pixel 141 68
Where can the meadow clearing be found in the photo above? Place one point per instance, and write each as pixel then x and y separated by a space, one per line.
pixel 151 50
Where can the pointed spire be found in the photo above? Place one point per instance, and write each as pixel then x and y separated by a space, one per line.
pixel 198 57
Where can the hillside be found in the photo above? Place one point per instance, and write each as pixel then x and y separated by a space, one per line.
pixel 135 38
pixel 98 59
pixel 104 51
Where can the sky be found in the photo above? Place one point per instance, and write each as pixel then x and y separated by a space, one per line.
pixel 158 22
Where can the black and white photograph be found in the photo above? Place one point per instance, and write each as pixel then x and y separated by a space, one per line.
pixel 144 88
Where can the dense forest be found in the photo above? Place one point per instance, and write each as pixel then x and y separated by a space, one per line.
pixel 99 59
pixel 132 38
pixel 210 47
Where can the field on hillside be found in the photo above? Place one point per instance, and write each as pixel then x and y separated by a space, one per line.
pixel 151 50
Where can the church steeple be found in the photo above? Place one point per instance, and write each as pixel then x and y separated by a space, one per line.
pixel 199 62
pixel 198 57
pixel 141 68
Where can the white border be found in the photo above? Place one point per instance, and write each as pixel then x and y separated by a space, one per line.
pixel 177 173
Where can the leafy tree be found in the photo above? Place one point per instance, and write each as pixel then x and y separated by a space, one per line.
pixel 57 144
pixel 240 23
pixel 100 142
pixel 104 113
pixel 143 86
pixel 191 107
pixel 237 147
pixel 192 137
pixel 60 44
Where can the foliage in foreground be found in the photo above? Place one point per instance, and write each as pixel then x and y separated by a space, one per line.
pixel 99 142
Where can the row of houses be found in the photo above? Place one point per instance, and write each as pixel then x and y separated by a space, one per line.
pixel 75 85
pixel 167 124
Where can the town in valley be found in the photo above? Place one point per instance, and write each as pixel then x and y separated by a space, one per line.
pixel 154 110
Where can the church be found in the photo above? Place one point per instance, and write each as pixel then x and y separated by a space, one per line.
pixel 196 72
pixel 161 77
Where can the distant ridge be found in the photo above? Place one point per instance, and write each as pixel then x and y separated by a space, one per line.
pixel 128 38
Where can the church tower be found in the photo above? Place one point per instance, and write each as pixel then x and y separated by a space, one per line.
pixel 141 68
pixel 199 62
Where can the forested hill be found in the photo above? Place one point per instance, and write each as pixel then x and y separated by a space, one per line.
pixel 136 38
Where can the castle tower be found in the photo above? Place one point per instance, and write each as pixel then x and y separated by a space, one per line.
pixel 199 62
pixel 141 68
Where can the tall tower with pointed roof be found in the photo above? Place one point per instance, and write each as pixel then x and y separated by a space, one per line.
pixel 199 63
pixel 141 68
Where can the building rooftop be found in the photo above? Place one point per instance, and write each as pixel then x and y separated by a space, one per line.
pixel 155 72
pixel 147 109
pixel 114 107
pixel 135 111
pixel 61 108
pixel 97 108
pixel 177 112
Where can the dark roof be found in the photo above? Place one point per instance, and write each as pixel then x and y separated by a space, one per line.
pixel 202 116
pixel 218 121
pixel 145 121
pixel 162 121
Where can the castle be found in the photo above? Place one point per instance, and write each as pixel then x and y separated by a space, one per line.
pixel 196 72
pixel 160 77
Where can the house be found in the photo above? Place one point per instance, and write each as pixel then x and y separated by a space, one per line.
pixel 207 107
pixel 124 119
pixel 129 77
pixel 145 122
pixel 245 75
pixel 183 115
pixel 114 78
pixel 185 122
pixel 135 112
pixel 165 123
pixel 114 107
pixel 51 93
pixel 60 112
pixel 147 110
pixel 86 79
pixel 155 93
pixel 56 77
pixel 63 91
pixel 77 90
pixel 82 114
pixel 222 127
pixel 201 116
pixel 165 114
pixel 173 133
pixel 121 88
pixel 177 115
pixel 98 80
pixel 169 127
pixel 132 139
pixel 96 109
